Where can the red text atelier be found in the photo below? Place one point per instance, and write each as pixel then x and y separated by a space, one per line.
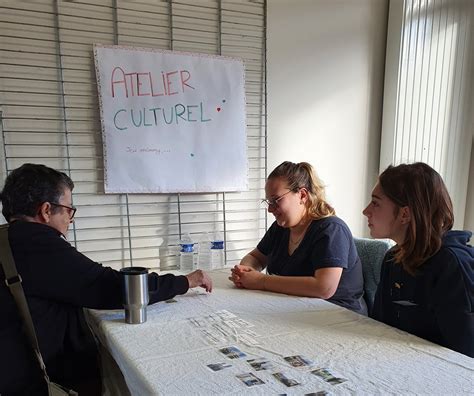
pixel 148 84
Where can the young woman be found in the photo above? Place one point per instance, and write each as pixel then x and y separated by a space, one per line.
pixel 427 279
pixel 307 251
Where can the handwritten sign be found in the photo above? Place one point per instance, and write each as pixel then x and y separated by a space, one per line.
pixel 171 122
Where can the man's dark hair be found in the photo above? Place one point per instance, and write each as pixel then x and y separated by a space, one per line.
pixel 29 186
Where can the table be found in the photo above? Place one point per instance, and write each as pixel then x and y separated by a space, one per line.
pixel 169 353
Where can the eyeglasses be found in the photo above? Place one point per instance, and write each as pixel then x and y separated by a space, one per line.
pixel 70 208
pixel 274 201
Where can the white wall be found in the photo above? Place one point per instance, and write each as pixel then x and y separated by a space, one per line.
pixel 325 83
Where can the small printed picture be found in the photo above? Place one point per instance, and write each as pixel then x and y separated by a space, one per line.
pixel 250 333
pixel 298 361
pixel 224 314
pixel 323 373
pixel 260 364
pixel 171 300
pixel 336 381
pixel 218 366
pixel 327 376
pixel 249 379
pixel 232 352
pixel 285 380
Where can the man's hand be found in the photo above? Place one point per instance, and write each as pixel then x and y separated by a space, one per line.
pixel 201 279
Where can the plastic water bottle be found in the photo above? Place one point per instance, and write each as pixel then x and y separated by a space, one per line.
pixel 204 252
pixel 217 251
pixel 186 254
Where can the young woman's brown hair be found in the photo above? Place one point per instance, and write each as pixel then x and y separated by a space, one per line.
pixel 420 188
pixel 303 175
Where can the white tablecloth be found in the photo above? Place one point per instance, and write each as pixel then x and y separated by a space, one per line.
pixel 169 353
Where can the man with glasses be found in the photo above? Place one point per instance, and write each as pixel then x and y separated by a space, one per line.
pixel 58 282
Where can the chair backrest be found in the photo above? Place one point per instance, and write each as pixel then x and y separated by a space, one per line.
pixel 371 253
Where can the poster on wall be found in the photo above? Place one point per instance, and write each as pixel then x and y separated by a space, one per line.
pixel 171 121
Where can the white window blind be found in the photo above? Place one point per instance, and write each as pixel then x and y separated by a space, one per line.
pixel 49 114
pixel 428 90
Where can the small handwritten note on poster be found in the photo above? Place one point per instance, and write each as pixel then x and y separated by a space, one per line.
pixel 171 121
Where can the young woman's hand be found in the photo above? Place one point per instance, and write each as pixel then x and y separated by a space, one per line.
pixel 247 277
pixel 254 280
pixel 236 273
